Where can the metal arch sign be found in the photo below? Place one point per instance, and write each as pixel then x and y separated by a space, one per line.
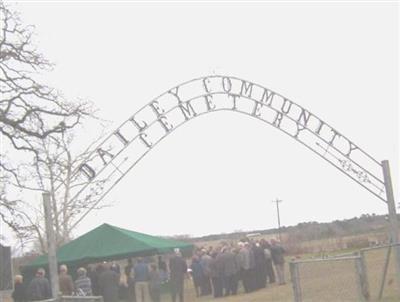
pixel 130 142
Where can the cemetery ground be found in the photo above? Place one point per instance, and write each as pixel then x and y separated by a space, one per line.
pixel 319 282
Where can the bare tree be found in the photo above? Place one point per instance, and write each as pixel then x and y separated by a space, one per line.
pixel 37 122
pixel 28 108
pixel 53 170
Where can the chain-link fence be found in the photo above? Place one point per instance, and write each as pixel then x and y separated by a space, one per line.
pixel 329 279
pixel 368 275
pixel 380 265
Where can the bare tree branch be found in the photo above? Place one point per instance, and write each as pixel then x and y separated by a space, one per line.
pixel 29 109
pixel 37 123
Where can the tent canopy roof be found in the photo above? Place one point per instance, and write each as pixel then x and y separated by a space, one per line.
pixel 108 242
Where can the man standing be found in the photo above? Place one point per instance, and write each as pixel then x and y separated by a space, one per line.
pixel 268 258
pixel 178 269
pixel 278 259
pixel 130 282
pixel 197 275
pixel 243 260
pixel 154 283
pixel 216 274
pixel 65 281
pixel 252 272
pixel 261 267
pixel 141 276
pixel 39 287
pixel 230 271
pixel 109 285
pixel 205 261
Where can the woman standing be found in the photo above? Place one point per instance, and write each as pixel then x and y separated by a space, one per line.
pixel 19 294
pixel 83 285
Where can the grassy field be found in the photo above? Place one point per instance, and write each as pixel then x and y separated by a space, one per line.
pixel 320 282
pixel 272 293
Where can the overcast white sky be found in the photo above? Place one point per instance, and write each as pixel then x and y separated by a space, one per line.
pixel 219 173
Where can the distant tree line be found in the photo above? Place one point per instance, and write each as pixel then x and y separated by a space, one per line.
pixel 313 230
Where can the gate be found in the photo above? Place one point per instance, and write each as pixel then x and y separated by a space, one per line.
pixel 119 153
pixel 381 272
pixel 329 279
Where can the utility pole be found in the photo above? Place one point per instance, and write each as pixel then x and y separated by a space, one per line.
pixel 51 245
pixel 278 201
pixel 394 226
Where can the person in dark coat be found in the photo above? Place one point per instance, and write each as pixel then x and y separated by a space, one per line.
pixel 197 274
pixel 244 261
pixel 252 272
pixel 205 260
pixel 277 254
pixel 162 268
pixel 268 258
pixel 216 275
pixel 261 267
pixel 19 293
pixel 154 283
pixel 178 269
pixel 124 288
pixel 94 275
pixel 130 281
pixel 230 271
pixel 39 287
pixel 109 285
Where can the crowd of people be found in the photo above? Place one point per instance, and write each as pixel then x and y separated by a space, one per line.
pixel 137 282
pixel 215 271
pixel 219 270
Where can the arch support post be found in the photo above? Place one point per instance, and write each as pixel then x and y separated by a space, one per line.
pixel 393 222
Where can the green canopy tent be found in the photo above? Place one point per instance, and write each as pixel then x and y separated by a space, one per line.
pixel 106 243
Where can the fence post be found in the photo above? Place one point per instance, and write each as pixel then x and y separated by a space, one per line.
pixel 295 277
pixel 365 275
pixel 362 278
pixel 384 273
